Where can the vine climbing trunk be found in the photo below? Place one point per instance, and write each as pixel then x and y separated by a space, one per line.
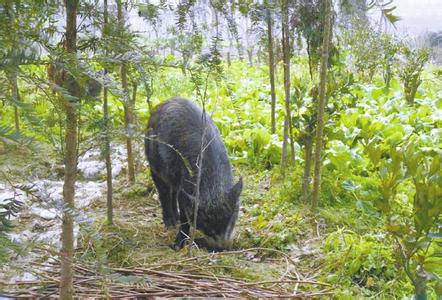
pixel 128 107
pixel 271 68
pixel 106 133
pixel 322 102
pixel 70 103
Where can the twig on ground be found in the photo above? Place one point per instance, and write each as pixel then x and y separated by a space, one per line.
pixel 183 278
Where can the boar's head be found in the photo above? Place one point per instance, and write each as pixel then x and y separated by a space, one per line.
pixel 218 220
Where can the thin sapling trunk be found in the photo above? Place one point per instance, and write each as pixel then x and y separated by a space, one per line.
pixel 271 69
pixel 321 104
pixel 70 106
pixel 128 108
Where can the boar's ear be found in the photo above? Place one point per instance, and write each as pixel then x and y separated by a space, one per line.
pixel 235 191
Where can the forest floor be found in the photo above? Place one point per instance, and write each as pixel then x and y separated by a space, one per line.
pixel 133 257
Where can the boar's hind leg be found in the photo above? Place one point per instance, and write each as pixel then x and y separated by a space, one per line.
pixel 167 199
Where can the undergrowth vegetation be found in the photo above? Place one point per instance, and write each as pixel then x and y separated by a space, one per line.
pixel 333 124
pixel 381 185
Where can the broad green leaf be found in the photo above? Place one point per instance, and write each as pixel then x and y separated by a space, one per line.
pixel 435 235
pixel 349 185
pixel 376 94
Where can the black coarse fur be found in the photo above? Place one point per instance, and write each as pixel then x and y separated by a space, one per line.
pixel 177 131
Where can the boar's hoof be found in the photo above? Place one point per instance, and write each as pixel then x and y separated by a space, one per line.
pixel 180 241
pixel 177 246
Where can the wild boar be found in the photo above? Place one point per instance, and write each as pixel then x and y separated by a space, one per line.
pixel 180 140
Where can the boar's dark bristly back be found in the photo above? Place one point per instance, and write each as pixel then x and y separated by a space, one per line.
pixel 177 131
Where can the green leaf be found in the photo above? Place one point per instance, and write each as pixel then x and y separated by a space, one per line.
pixel 435 166
pixel 349 185
pixel 374 152
pixel 435 235
pixel 376 94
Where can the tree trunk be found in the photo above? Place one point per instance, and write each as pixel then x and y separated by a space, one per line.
pixel 107 154
pixel 286 58
pixel 70 106
pixel 16 119
pixel 250 56
pixel 128 122
pixel 284 148
pixel 134 96
pixel 239 49
pixel 321 104
pixel 128 109
pixel 107 138
pixel 12 75
pixel 15 97
pixel 307 166
pixel 420 289
pixel 271 69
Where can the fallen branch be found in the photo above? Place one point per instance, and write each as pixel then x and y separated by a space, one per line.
pixel 190 277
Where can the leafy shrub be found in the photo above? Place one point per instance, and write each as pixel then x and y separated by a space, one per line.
pixel 278 220
pixel 8 208
pixel 410 70
pixel 365 261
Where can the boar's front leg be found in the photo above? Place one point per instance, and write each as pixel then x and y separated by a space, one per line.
pixel 184 231
pixel 182 235
pixel 168 201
